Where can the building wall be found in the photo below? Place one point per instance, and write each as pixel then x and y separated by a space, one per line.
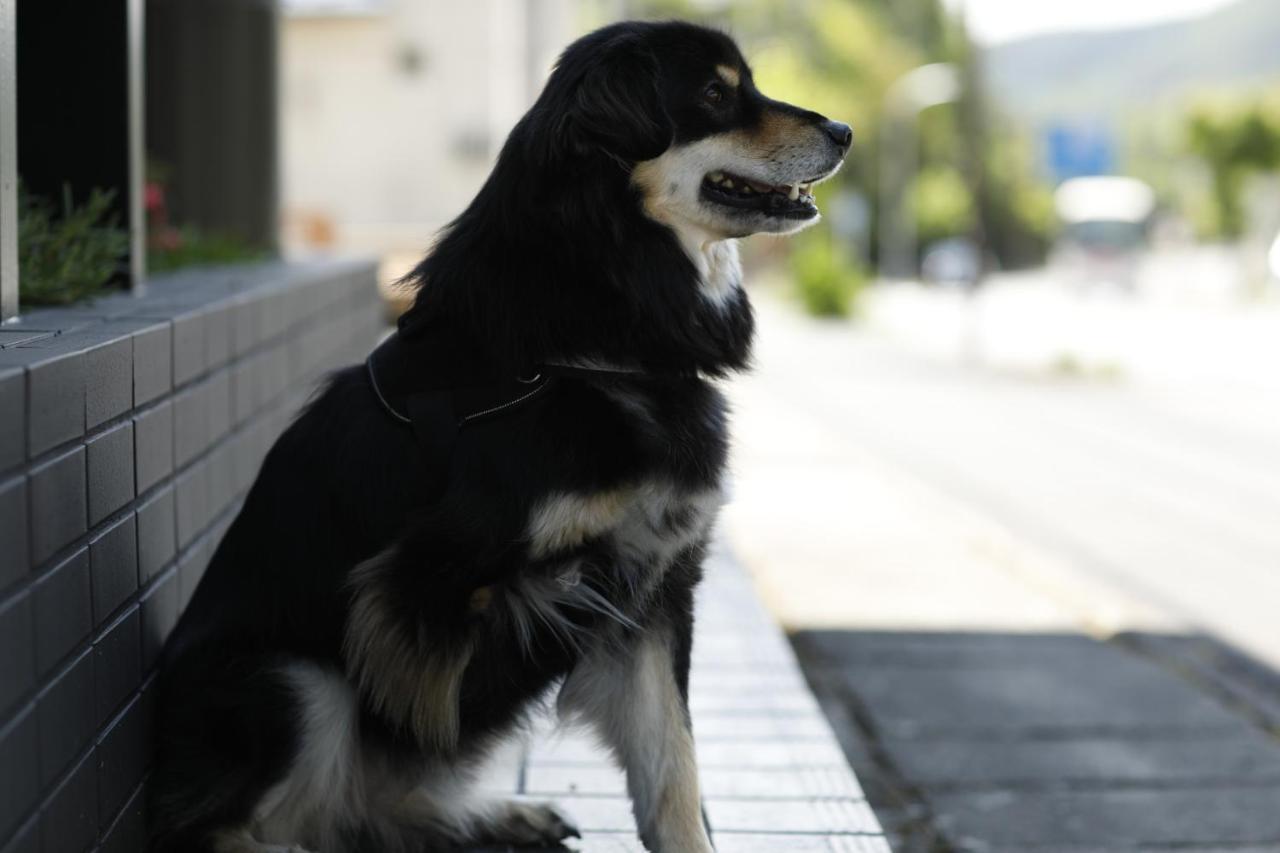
pixel 391 116
pixel 130 430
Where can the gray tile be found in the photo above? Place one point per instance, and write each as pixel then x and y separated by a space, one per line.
pixel 69 821
pixel 117 663
pixel 108 380
pixel 244 389
pixel 129 833
pixel 221 478
pixel 157 532
pixel 110 466
pixel 159 615
pixel 19 764
pixel 188 347
pixel 13 416
pixel 218 404
pixel 191 568
pixel 17 653
pixel 217 335
pixel 67 721
pixel 191 502
pixel 153 445
pixel 15 556
pixel 123 751
pixel 152 363
pixel 113 567
pixel 55 398
pixel 58 510
pixel 244 325
pixel 63 608
pixel 753 842
pixel 26 839
pixel 190 424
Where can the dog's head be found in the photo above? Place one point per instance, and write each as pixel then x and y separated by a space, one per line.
pixel 710 152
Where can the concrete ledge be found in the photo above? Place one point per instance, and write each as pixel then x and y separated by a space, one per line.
pixel 130 429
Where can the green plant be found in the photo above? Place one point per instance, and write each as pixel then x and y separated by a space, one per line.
pixel 189 246
pixel 827 279
pixel 67 257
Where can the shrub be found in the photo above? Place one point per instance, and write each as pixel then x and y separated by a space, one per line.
pixel 827 279
pixel 65 258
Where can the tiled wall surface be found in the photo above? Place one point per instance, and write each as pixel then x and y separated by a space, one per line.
pixel 130 429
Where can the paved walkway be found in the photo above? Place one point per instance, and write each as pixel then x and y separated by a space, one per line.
pixel 774 778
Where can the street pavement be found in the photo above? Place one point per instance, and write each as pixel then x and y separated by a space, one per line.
pixel 1039 606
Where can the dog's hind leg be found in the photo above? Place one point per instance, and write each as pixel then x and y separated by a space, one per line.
pixel 636 698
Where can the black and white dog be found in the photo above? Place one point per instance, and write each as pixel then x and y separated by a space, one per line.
pixel 514 493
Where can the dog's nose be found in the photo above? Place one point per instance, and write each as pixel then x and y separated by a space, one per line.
pixel 838 132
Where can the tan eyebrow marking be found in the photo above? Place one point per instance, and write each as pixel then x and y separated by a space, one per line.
pixel 728 74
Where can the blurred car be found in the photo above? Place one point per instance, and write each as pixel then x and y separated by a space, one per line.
pixel 1105 221
pixel 955 262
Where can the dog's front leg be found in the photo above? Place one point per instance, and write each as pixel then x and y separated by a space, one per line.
pixel 636 696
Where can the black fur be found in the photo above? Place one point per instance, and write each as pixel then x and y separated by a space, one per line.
pixel 554 260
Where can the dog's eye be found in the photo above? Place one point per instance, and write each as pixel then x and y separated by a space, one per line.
pixel 714 93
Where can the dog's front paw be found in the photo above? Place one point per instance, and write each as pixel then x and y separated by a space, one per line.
pixel 530 825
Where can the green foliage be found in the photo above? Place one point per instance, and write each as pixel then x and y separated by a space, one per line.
pixel 943 204
pixel 188 247
pixel 68 257
pixel 1234 140
pixel 826 277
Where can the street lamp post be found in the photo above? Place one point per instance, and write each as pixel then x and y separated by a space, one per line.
pixel 910 95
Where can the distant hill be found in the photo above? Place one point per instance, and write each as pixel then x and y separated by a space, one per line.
pixel 1102 75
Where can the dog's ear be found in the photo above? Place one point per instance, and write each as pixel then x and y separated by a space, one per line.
pixel 617 104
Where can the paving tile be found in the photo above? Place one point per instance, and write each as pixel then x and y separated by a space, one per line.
pixel 108 380
pixel 191 567
pixel 552 780
pixel 244 389
pixel 733 842
pixel 19 764
pixel 65 713
pixel 780 816
pixel 15 555
pixel 62 606
pixel 153 445
pixel 123 751
pixel 244 325
pixel 58 506
pixel 17 652
pixel 69 820
pixel 599 814
pixel 113 567
pixel 157 536
pixel 152 362
pixel 1222 815
pixel 117 663
pixel 13 416
pixel 1233 758
pixel 220 479
pixel 110 468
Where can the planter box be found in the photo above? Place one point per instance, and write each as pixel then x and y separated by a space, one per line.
pixel 130 430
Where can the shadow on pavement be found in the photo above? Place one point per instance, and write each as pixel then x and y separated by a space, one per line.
pixel 1055 742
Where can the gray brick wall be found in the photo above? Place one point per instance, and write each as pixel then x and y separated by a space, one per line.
pixel 130 430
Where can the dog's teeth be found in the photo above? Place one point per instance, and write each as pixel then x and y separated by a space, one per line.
pixel 728 182
pixel 716 177
pixel 746 188
pixel 804 188
pixel 794 193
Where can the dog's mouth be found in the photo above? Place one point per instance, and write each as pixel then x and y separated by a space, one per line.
pixel 785 201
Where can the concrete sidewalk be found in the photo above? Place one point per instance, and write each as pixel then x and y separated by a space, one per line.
pixel 774 779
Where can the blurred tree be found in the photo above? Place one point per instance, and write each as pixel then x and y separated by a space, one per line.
pixel 1234 140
